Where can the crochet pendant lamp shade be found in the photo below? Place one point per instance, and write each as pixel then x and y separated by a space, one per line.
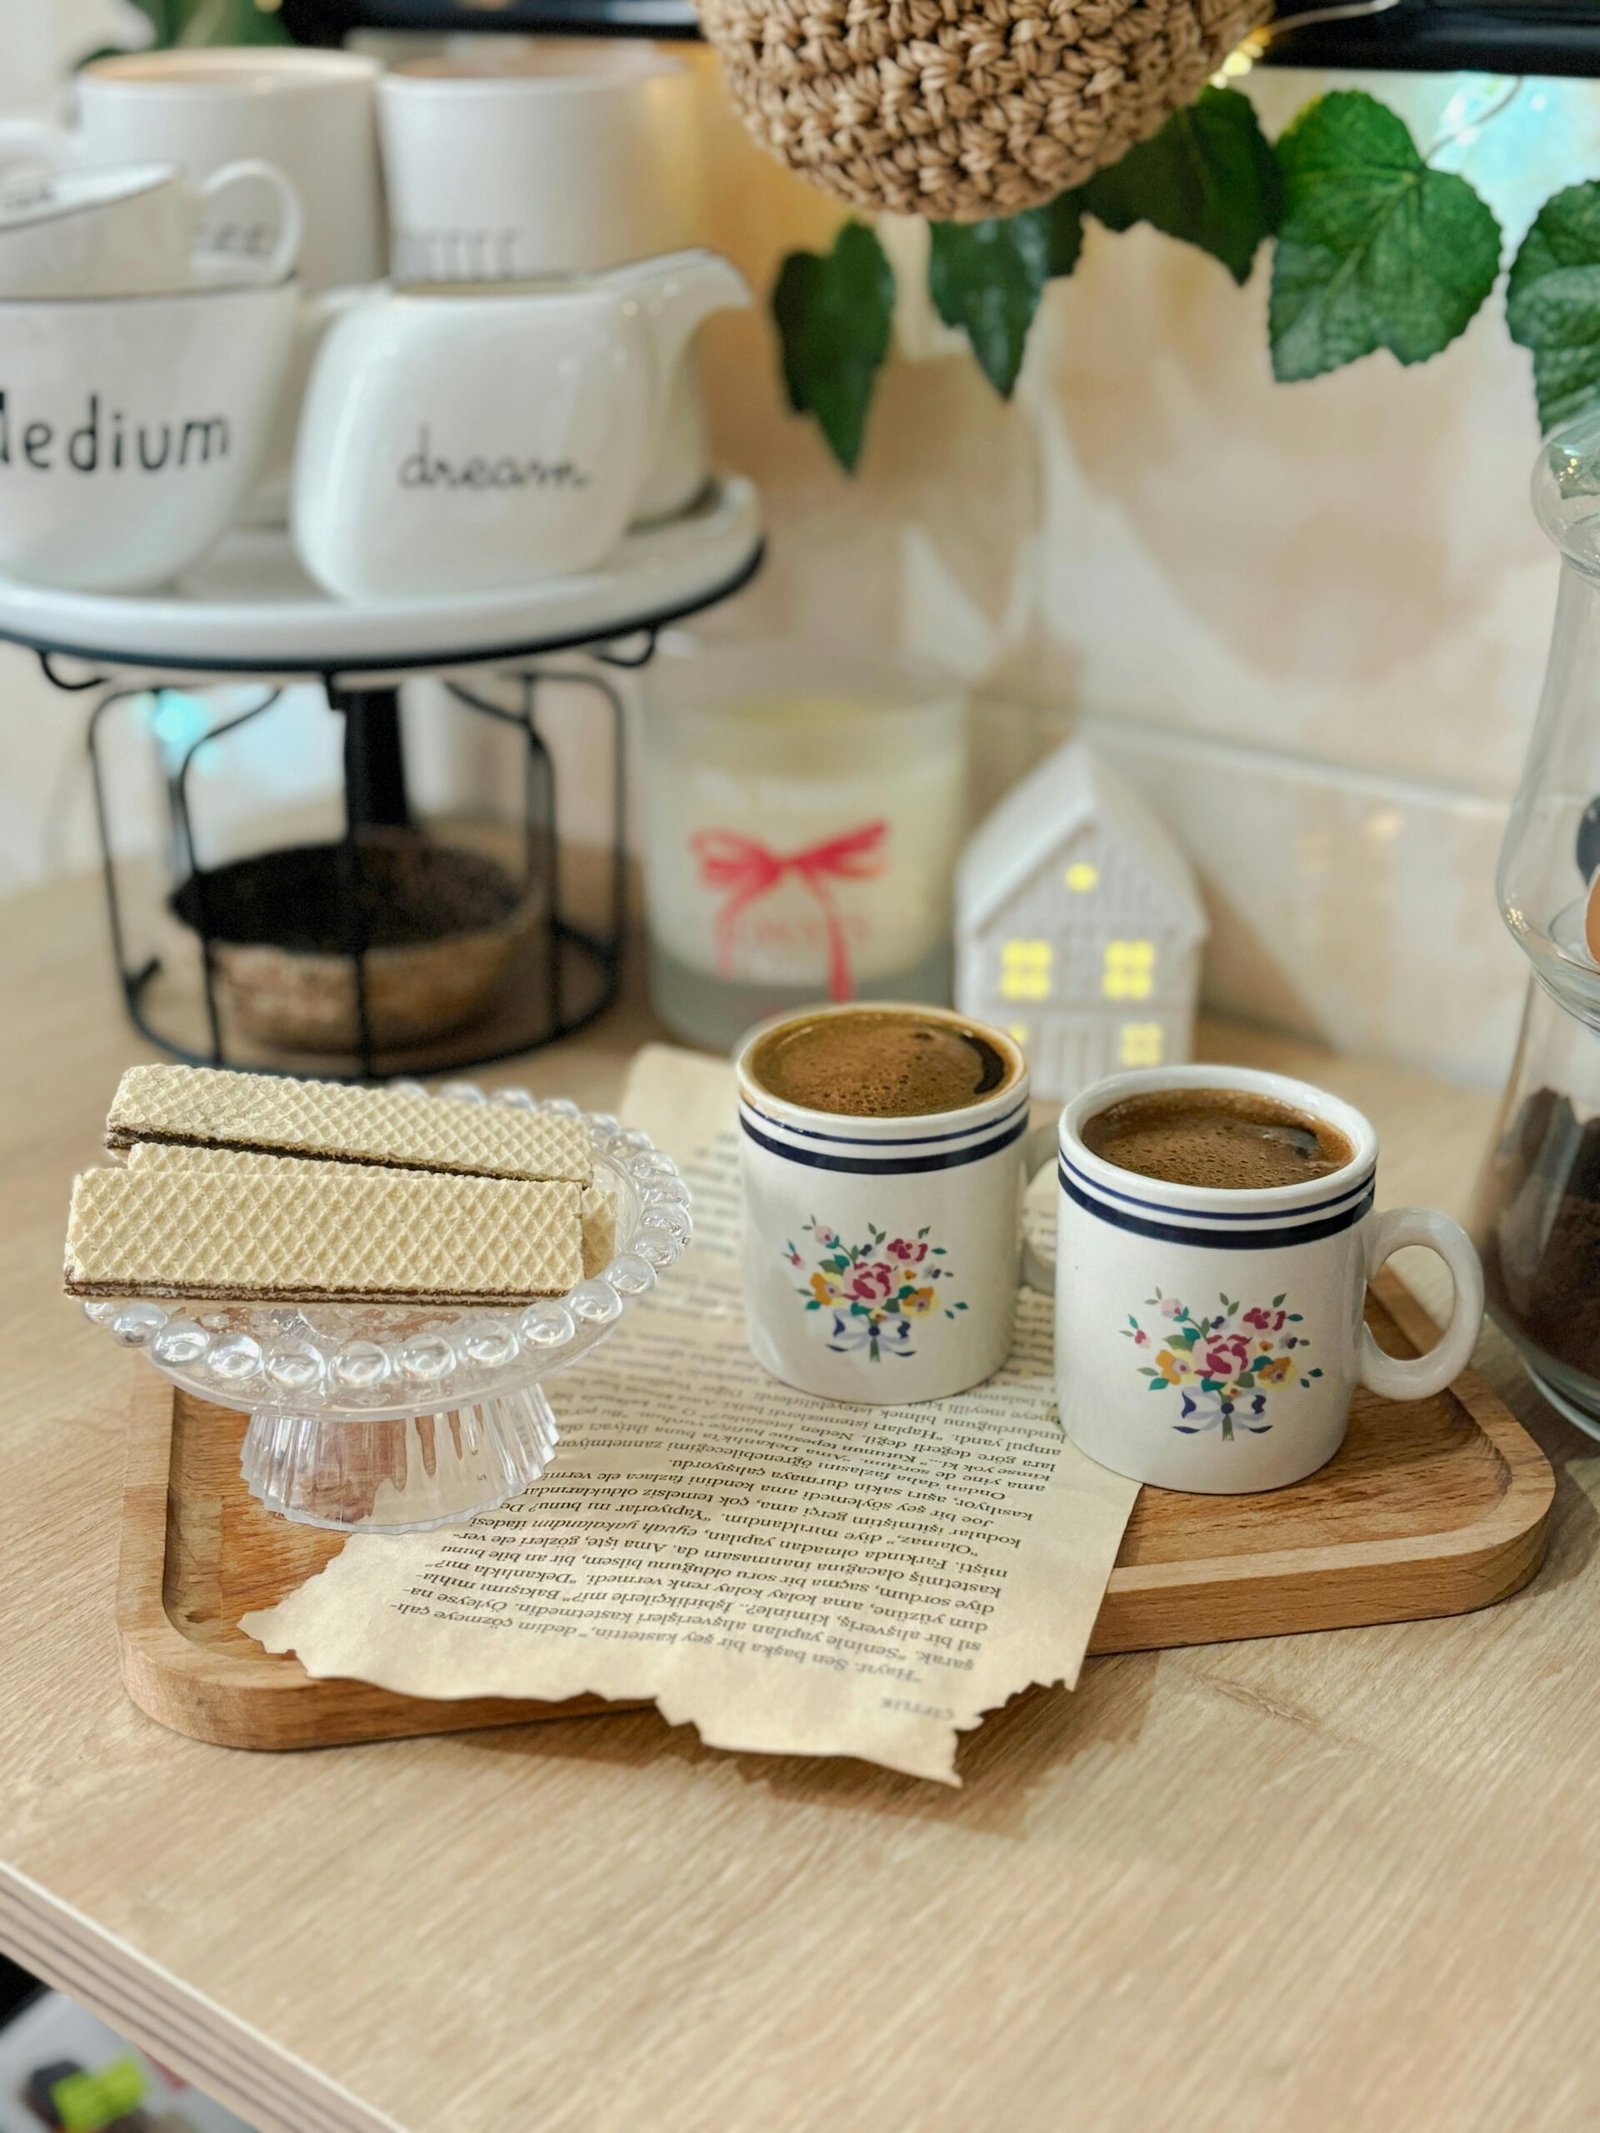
pixel 961 109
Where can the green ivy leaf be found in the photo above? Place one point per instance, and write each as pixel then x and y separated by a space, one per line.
pixel 1553 303
pixel 833 312
pixel 987 278
pixel 1208 177
pixel 1375 250
pixel 1064 224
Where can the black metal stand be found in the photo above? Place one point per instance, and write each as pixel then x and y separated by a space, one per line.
pixel 557 974
pixel 374 756
pixel 577 970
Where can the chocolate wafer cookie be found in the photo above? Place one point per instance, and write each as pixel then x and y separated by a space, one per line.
pixel 210 1107
pixel 262 1231
pixel 597 1203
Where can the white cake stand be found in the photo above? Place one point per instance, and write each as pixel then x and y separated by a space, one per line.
pixel 250 611
pixel 395 1419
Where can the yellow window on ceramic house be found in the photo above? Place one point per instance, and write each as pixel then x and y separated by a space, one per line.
pixel 1082 876
pixel 1141 1044
pixel 1129 970
pixel 1025 970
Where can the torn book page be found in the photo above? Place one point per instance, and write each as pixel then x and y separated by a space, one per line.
pixel 787 1574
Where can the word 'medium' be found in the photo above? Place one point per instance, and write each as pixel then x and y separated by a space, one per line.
pixel 426 469
pixel 108 442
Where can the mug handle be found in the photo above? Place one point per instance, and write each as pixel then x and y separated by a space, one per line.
pixel 1038 1150
pixel 1416 1377
pixel 281 261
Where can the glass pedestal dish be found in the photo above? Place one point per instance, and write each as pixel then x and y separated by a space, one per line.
pixel 394 1418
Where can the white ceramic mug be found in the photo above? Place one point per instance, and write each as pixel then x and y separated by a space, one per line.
pixel 131 428
pixel 1211 1340
pixel 144 230
pixel 465 443
pixel 565 158
pixel 882 1256
pixel 310 114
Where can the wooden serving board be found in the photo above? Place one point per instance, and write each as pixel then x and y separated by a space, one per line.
pixel 1433 1507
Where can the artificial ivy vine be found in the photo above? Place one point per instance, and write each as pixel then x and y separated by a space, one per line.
pixel 1372 248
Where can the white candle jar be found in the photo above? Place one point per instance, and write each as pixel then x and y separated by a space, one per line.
pixel 803 811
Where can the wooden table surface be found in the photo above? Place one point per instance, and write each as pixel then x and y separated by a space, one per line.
pixel 1336 1881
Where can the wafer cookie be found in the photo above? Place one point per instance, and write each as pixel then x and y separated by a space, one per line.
pixel 265 1231
pixel 597 1203
pixel 597 1212
pixel 210 1107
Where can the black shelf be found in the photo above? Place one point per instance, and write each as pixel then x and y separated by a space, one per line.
pixel 1443 36
pixel 329 22
pixel 1418 36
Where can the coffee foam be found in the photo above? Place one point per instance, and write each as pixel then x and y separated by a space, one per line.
pixel 1228 1140
pixel 878 1065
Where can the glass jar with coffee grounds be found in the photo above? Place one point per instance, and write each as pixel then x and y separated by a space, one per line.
pixel 1538 1205
pixel 1537 1220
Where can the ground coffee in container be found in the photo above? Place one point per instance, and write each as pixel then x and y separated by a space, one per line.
pixel 1538 1231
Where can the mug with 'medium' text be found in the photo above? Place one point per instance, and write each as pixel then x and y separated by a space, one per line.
pixel 1215 1238
pixel 132 427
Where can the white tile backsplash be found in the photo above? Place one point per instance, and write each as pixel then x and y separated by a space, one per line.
pixel 1345 566
pixel 1354 908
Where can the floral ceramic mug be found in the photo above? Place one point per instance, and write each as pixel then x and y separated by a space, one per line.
pixel 883 1256
pixel 1211 1339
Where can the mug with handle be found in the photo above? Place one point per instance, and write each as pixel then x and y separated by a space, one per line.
pixel 143 230
pixel 883 1256
pixel 310 113
pixel 1210 1339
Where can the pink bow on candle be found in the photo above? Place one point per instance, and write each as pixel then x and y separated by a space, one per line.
pixel 745 871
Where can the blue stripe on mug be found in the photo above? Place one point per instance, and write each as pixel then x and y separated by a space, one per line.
pixel 894 1166
pixel 1094 1187
pixel 920 1140
pixel 1249 1240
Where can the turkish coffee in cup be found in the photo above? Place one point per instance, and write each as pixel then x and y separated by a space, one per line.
pixel 884 1150
pixel 1216 1231
pixel 879 1063
pixel 1230 1140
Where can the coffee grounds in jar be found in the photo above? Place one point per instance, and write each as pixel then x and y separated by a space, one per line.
pixel 1539 1226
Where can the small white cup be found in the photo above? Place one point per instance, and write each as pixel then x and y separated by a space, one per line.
pixel 566 158
pixel 1211 1340
pixel 310 114
pixel 132 427
pixel 143 230
pixel 882 1256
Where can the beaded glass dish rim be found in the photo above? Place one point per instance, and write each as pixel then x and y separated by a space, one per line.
pixel 387 1362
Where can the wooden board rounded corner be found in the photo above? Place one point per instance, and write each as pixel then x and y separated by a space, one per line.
pixel 251 1699
pixel 1354 1582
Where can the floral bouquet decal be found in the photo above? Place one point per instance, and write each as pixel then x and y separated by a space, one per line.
pixel 875 1292
pixel 1224 1368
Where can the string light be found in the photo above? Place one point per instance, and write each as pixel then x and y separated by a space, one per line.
pixel 1252 48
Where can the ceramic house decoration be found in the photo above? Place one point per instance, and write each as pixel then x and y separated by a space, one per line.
pixel 1078 926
